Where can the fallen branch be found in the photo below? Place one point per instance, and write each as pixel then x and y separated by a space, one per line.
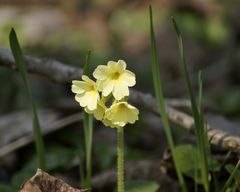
pixel 25 137
pixel 60 72
pixel 52 69
pixel 215 135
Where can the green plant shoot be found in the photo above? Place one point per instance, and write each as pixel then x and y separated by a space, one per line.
pixel 229 181
pixel 112 81
pixel 200 128
pixel 88 132
pixel 160 99
pixel 21 65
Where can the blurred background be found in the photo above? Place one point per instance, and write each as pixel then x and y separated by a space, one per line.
pixel 112 30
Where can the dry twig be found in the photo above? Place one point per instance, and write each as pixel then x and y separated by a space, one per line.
pixel 27 137
pixel 60 72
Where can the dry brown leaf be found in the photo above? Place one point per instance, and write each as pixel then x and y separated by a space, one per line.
pixel 43 182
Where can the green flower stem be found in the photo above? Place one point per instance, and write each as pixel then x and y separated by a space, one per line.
pixel 120 160
pixel 88 132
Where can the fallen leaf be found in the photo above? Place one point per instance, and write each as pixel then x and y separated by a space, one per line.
pixel 43 182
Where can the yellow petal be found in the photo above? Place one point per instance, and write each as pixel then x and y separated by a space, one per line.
pixel 119 124
pixel 120 90
pixel 133 115
pixel 99 112
pixel 91 100
pixel 88 111
pixel 112 64
pixel 78 86
pixel 87 79
pixel 122 113
pixel 121 64
pixel 81 99
pixel 101 72
pixel 88 100
pixel 129 78
pixel 109 123
pixel 99 85
pixel 107 87
pixel 118 66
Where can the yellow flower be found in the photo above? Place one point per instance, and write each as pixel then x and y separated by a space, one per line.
pixel 114 78
pixel 99 111
pixel 119 114
pixel 86 93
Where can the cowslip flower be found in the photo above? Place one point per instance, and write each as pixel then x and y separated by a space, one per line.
pixel 111 107
pixel 86 93
pixel 121 113
pixel 114 78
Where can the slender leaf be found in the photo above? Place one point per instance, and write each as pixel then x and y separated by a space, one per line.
pixel 235 171
pixel 87 66
pixel 198 117
pixel 21 65
pixel 160 99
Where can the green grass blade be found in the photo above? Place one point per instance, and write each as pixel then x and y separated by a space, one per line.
pixel 200 92
pixel 197 114
pixel 196 174
pixel 222 168
pixel 206 152
pixel 21 65
pixel 87 66
pixel 88 131
pixel 160 99
pixel 229 181
pixel 183 62
pixel 202 129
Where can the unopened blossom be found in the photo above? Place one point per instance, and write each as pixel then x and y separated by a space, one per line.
pixel 86 93
pixel 114 78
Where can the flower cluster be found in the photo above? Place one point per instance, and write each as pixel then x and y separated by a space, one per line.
pixel 112 84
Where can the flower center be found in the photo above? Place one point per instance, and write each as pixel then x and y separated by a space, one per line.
pixel 115 75
pixel 122 106
pixel 91 88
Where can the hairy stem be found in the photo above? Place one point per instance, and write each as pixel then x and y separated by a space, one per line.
pixel 120 161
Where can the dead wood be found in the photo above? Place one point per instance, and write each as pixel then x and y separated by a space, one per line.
pixel 50 68
pixel 60 72
pixel 16 128
pixel 216 136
